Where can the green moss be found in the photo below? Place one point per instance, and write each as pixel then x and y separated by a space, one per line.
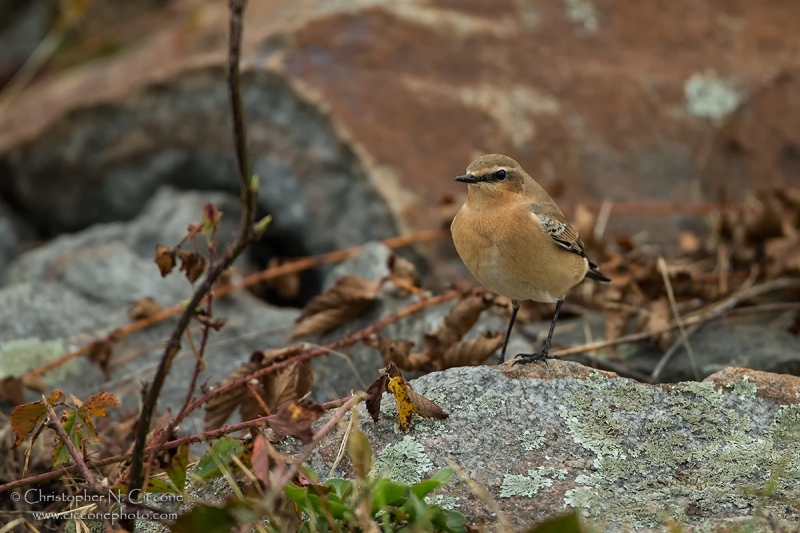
pixel 515 485
pixel 404 461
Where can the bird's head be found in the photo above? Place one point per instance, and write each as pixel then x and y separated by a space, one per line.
pixel 494 174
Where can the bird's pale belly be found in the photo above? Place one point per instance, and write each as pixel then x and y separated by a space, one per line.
pixel 526 276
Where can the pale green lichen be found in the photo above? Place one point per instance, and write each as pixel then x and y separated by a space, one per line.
pixel 708 95
pixel 532 440
pixel 744 388
pixel 404 461
pixel 22 355
pixel 515 485
pixel 786 426
pixel 445 502
pixel 693 446
pixel 583 13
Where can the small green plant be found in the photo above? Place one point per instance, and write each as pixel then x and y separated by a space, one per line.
pixel 337 505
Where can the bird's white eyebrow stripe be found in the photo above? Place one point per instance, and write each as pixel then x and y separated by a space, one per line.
pixel 496 168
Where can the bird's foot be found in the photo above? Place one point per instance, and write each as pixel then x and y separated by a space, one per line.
pixel 524 358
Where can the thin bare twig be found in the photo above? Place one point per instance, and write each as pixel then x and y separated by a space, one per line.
pixel 249 197
pixel 662 266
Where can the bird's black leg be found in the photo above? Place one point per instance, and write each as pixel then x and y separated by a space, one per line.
pixel 541 355
pixel 515 308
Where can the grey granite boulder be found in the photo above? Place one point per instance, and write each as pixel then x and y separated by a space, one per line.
pixel 543 439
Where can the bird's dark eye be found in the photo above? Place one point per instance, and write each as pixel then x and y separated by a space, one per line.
pixel 500 175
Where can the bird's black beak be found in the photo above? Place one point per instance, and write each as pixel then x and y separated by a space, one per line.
pixel 466 178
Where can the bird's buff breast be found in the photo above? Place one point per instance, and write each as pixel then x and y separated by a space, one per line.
pixel 511 263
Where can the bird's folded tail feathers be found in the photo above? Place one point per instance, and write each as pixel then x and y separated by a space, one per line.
pixel 595 274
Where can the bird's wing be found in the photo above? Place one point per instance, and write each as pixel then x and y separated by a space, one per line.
pixel 557 228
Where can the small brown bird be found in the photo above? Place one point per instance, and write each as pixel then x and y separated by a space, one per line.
pixel 514 239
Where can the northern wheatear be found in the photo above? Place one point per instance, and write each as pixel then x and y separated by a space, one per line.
pixel 514 239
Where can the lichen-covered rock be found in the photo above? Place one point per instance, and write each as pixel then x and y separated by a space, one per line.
pixel 629 456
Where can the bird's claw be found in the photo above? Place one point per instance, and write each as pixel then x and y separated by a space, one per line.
pixel 525 358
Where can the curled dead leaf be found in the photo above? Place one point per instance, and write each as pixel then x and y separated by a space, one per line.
pixel 274 391
pixel 286 286
pixel 403 273
pixel 407 401
pixel 295 419
pixel 458 321
pixel 100 353
pixel 656 317
pixel 350 297
pixel 144 308
pixel 192 264
pixel 165 259
pixel 472 352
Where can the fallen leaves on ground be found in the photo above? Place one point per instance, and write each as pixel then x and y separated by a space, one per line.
pixel 350 297
pixel 444 347
pixel 273 391
pixel 408 401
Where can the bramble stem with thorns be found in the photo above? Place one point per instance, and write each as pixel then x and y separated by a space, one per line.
pixel 249 197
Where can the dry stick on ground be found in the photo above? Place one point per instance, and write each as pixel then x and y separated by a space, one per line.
pixel 246 231
pixel 673 304
pixel 191 439
pixel 56 426
pixel 716 312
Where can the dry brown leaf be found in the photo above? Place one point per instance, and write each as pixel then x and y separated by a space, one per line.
pixel 295 420
pixel 100 353
pixel 287 286
pixel 218 409
pixel 656 317
pixel 192 264
pixel 458 321
pixel 403 272
pixel 395 351
pixel 287 385
pixel 616 322
pixel 11 390
pixel 350 297
pixel 783 256
pixel 472 352
pixel 144 308
pixel 165 259
pixel 689 242
pixel 374 396
pixel 275 390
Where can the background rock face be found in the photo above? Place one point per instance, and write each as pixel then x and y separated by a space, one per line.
pixel 361 112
